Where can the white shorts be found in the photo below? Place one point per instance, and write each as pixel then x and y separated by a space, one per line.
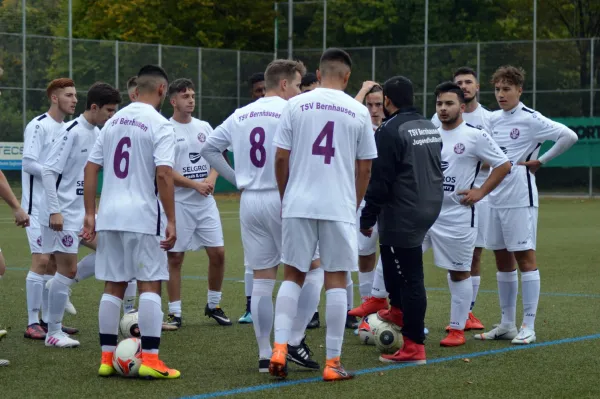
pixel 34 235
pixel 482 209
pixel 122 256
pixel 452 246
pixel 66 241
pixel 513 229
pixel 338 247
pixel 197 227
pixel 366 245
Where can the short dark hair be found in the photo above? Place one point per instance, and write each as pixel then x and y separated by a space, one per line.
pixel 400 91
pixel 336 55
pixel 309 79
pixel 450 87
pixel 131 82
pixel 256 78
pixel 465 70
pixel 146 77
pixel 375 89
pixel 512 75
pixel 282 69
pixel 180 86
pixel 102 94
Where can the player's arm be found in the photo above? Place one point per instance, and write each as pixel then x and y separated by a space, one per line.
pixel 366 87
pixel 32 146
pixel 164 159
pixel 203 187
pixel 283 143
pixel 21 217
pixel 90 184
pixel 215 151
pixel 282 169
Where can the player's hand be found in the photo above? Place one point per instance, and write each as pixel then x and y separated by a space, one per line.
pixel 56 222
pixel 368 85
pixel 21 217
pixel 170 237
pixel 89 228
pixel 367 232
pixel 212 181
pixel 533 165
pixel 204 188
pixel 471 197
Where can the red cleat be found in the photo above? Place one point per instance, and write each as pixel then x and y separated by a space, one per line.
pixel 411 352
pixel 370 306
pixel 454 338
pixel 35 331
pixel 392 315
pixel 473 323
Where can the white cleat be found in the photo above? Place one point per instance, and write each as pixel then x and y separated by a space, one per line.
pixel 498 333
pixel 61 340
pixel 69 308
pixel 524 337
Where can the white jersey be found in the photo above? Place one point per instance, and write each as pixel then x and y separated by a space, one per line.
pixel 520 133
pixel 250 131
pixel 477 118
pixel 68 154
pixel 131 145
pixel 190 138
pixel 326 131
pixel 463 150
pixel 38 135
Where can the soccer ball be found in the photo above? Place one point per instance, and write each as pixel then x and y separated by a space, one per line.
pixel 388 337
pixel 128 357
pixel 128 327
pixel 367 327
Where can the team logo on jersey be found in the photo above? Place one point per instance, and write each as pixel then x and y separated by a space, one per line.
pixel 194 157
pixel 201 137
pixel 459 148
pixel 445 165
pixel 67 241
pixel 514 134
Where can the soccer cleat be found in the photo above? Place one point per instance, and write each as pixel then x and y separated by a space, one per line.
pixel 66 330
pixel 334 371
pixel 473 323
pixel 69 308
pixel 173 323
pixel 498 333
pixel 106 365
pixel 392 315
pixel 61 340
pixel 370 306
pixel 2 334
pixel 217 314
pixel 351 322
pixel 411 353
pixel 35 331
pixel 278 362
pixel 153 368
pixel 263 365
pixel 524 337
pixel 314 322
pixel 246 318
pixel 454 338
pixel 4 362
pixel 301 355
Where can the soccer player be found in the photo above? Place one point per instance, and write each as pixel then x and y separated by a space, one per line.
pixel 453 235
pixel 137 149
pixel 61 214
pixel 38 135
pixel 257 85
pixel 251 130
pixel 131 85
pixel 512 226
pixel 325 134
pixel 309 82
pixel 199 222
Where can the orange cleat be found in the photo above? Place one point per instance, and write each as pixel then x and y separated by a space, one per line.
pixel 392 315
pixel 411 353
pixel 152 368
pixel 106 365
pixel 473 323
pixel 278 363
pixel 370 306
pixel 334 371
pixel 454 338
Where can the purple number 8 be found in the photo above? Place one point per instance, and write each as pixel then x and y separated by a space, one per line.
pixel 258 145
pixel 122 153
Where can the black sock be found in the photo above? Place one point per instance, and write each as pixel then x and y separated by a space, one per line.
pixel 248 303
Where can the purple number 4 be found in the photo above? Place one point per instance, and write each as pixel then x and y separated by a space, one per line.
pixel 327 150
pixel 258 145
pixel 122 153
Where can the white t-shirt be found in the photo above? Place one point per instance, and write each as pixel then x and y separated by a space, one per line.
pixel 463 150
pixel 68 154
pixel 326 131
pixel 250 131
pixel 38 136
pixel 190 138
pixel 135 141
pixel 520 133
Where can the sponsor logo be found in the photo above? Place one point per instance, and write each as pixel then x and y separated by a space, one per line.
pixel 514 134
pixel 180 139
pixel 504 150
pixel 459 148
pixel 445 165
pixel 201 137
pixel 194 157
pixel 67 241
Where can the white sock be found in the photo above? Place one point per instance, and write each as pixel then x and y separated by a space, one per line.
pixel 365 284
pixel 150 321
pixel 175 308
pixel 508 287
pixel 462 293
pixel 45 308
pixel 34 286
pixel 335 317
pixel 214 299
pixel 307 304
pixel 476 281
pixel 86 267
pixel 262 315
pixel 530 284
pixel 378 290
pixel 129 297
pixel 286 308
pixel 58 295
pixel 349 291
pixel 109 315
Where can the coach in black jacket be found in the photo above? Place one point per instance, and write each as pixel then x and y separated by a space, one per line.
pixel 405 196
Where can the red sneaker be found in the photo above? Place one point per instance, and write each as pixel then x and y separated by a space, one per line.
pixel 392 315
pixel 411 352
pixel 473 323
pixel 370 306
pixel 454 338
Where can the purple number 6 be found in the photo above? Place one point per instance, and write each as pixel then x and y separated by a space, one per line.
pixel 326 150
pixel 122 153
pixel 258 145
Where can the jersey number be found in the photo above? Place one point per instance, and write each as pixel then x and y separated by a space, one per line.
pixel 258 146
pixel 122 156
pixel 326 150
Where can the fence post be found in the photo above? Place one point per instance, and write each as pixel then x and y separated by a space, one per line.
pixel 478 65
pixel 373 63
pixel 199 83
pixel 24 61
pixel 534 75
pixel 117 64
pixel 425 46
pixel 159 55
pixel 592 77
